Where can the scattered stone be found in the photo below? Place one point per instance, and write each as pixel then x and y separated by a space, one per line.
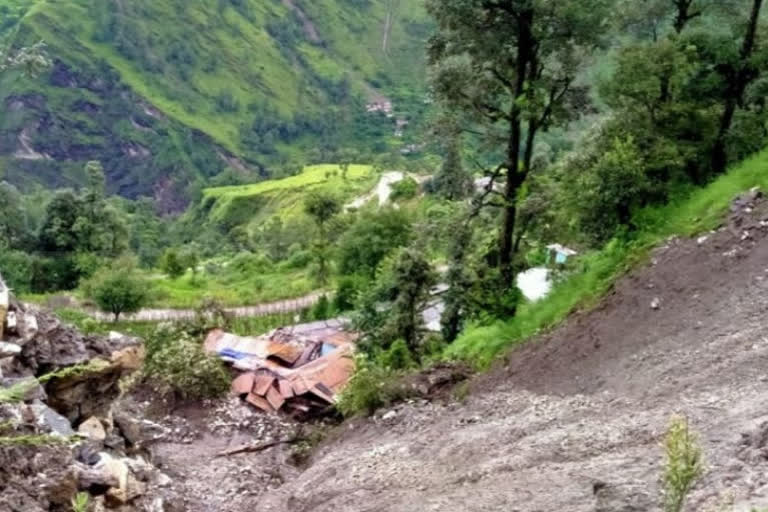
pixel 702 239
pixel 50 421
pixel 390 415
pixel 93 429
pixel 656 303
pixel 9 350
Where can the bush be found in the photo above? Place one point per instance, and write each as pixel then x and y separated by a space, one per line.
pixel 322 310
pixel 176 363
pixel 250 263
pixel 348 291
pixel 405 189
pixel 397 357
pixel 370 388
pixel 299 259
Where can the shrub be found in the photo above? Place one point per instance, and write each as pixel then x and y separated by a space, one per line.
pixel 348 292
pixel 176 363
pixel 405 189
pixel 250 263
pixel 370 388
pixel 299 259
pixel 322 310
pixel 683 466
pixel 397 357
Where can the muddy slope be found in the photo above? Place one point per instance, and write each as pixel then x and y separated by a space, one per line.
pixel 574 420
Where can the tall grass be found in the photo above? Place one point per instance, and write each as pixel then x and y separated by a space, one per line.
pixel 699 210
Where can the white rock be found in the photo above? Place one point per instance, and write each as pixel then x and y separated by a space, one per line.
pixel 9 349
pixel 390 415
pixel 655 303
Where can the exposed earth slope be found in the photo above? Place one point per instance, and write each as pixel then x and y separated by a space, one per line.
pixel 573 421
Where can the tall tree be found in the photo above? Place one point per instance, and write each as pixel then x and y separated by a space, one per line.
pixel 322 207
pixel 511 67
pixel 738 77
pixel 452 181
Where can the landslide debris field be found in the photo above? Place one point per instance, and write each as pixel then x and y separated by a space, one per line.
pixel 573 421
pixel 570 421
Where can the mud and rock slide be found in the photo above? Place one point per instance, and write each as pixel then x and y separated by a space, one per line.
pixel 573 420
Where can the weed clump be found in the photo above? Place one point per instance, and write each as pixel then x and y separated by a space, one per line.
pixel 683 466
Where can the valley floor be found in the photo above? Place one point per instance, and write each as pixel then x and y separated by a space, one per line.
pixel 573 421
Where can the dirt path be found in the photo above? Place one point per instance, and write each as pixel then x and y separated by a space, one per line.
pixel 270 308
pixel 584 408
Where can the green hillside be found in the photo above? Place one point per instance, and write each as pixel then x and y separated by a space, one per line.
pixel 255 205
pixel 168 93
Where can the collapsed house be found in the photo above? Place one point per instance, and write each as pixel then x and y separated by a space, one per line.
pixel 298 369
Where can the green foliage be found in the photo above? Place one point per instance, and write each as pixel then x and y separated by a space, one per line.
pixel 81 502
pixel 17 392
pixel 370 388
pixel 700 210
pixel 208 96
pixel 172 263
pixel 176 363
pixel 604 185
pixel 348 290
pixel 397 357
pixel 119 289
pixel 683 464
pixel 370 239
pixel 405 189
pixel 392 308
pixel 323 310
pixel 451 181
pixel 322 207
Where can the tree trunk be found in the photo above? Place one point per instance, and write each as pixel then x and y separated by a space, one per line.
pixel 684 14
pixel 736 88
pixel 515 177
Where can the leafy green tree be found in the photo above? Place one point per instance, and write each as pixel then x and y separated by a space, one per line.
pixel 171 263
pixel 744 71
pixel 452 181
pixel 510 66
pixel 57 233
pixel 392 308
pixel 119 289
pixel 603 184
pixel 322 207
pixel 459 282
pixel 373 236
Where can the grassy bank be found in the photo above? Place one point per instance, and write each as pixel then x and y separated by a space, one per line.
pixel 700 210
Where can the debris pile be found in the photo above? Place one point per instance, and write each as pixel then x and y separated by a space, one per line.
pixel 299 369
pixel 61 431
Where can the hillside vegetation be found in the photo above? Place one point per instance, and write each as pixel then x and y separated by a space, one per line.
pixel 241 84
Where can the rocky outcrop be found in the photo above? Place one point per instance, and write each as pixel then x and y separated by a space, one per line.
pixel 61 429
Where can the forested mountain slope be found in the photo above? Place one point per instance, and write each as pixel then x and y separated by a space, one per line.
pixel 168 93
